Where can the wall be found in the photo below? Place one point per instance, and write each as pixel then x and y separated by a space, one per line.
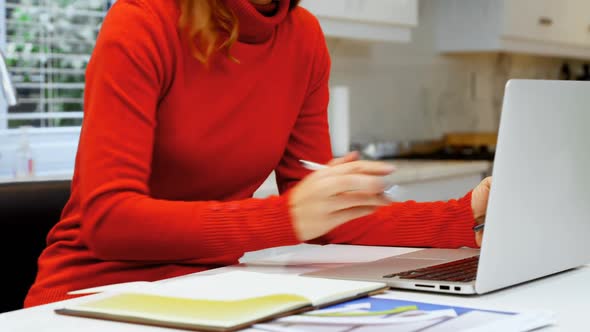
pixel 410 92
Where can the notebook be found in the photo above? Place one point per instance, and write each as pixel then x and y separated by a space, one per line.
pixel 223 302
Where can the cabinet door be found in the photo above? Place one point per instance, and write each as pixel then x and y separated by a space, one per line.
pixel 402 12
pixel 396 12
pixel 339 9
pixel 541 20
pixel 583 23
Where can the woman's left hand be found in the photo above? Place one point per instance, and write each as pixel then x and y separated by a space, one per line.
pixel 479 203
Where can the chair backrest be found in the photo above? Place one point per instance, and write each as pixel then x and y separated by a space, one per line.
pixel 28 211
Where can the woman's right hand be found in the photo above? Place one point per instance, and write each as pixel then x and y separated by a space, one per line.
pixel 346 190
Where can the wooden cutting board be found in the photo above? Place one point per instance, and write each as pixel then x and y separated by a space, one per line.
pixel 471 139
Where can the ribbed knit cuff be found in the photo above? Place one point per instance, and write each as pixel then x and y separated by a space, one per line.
pixel 249 225
pixel 278 213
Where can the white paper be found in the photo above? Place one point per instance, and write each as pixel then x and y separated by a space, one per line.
pixel 524 321
pixel 125 286
pixel 333 254
pixel 440 317
pixel 238 285
pixel 403 318
pixel 470 320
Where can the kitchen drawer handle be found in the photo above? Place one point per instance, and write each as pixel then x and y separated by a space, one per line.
pixel 545 21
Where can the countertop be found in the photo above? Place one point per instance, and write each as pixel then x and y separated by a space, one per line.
pixel 424 170
pixel 415 172
pixel 40 178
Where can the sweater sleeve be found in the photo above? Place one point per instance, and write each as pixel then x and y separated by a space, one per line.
pixel 411 224
pixel 126 77
pixel 310 137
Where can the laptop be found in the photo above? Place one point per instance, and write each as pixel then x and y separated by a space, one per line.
pixel 538 214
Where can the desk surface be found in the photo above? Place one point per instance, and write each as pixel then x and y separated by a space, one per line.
pixel 567 294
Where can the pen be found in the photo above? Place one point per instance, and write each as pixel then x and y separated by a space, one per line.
pixel 310 165
pixel 478 227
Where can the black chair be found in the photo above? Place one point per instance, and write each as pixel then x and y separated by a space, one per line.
pixel 28 210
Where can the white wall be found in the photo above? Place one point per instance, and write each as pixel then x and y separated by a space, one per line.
pixel 410 92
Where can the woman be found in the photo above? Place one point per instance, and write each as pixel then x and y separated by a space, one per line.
pixel 189 106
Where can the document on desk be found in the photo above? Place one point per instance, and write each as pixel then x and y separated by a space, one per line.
pixel 223 302
pixel 388 312
pixel 329 254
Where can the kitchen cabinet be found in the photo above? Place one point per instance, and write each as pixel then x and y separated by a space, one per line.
pixel 374 20
pixel 539 27
pixel 583 24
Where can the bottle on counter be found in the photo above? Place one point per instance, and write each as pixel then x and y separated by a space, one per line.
pixel 24 163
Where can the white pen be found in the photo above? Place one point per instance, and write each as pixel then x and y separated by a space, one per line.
pixel 310 165
pixel 393 192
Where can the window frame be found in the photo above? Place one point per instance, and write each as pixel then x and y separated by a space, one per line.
pixel 53 148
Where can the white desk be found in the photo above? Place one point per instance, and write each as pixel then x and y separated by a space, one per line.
pixel 567 294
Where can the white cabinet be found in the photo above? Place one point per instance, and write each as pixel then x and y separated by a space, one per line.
pixel 373 20
pixel 541 27
pixel 398 12
pixel 583 24
pixel 334 9
pixel 543 20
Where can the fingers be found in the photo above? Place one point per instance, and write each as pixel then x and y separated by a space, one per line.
pixel 478 238
pixel 337 185
pixel 351 156
pixel 355 199
pixel 487 182
pixel 358 167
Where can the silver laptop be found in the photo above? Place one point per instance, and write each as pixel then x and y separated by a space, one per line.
pixel 538 214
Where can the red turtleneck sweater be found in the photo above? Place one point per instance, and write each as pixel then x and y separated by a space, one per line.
pixel 171 152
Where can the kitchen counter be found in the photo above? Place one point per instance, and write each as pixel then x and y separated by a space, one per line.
pixel 411 171
pixel 422 180
pixel 39 178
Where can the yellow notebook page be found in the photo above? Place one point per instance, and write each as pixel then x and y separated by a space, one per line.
pixel 187 312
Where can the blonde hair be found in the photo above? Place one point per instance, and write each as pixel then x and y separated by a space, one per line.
pixel 204 21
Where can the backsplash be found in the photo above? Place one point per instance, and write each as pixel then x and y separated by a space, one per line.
pixel 410 92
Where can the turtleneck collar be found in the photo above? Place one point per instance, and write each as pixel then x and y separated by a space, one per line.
pixel 255 27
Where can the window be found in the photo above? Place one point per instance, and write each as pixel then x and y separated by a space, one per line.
pixel 47 45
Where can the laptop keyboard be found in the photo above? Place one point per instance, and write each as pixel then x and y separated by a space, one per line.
pixel 463 270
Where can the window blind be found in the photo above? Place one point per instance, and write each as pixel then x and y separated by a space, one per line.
pixel 47 45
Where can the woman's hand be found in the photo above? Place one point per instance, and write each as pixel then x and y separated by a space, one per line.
pixel 330 197
pixel 479 204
